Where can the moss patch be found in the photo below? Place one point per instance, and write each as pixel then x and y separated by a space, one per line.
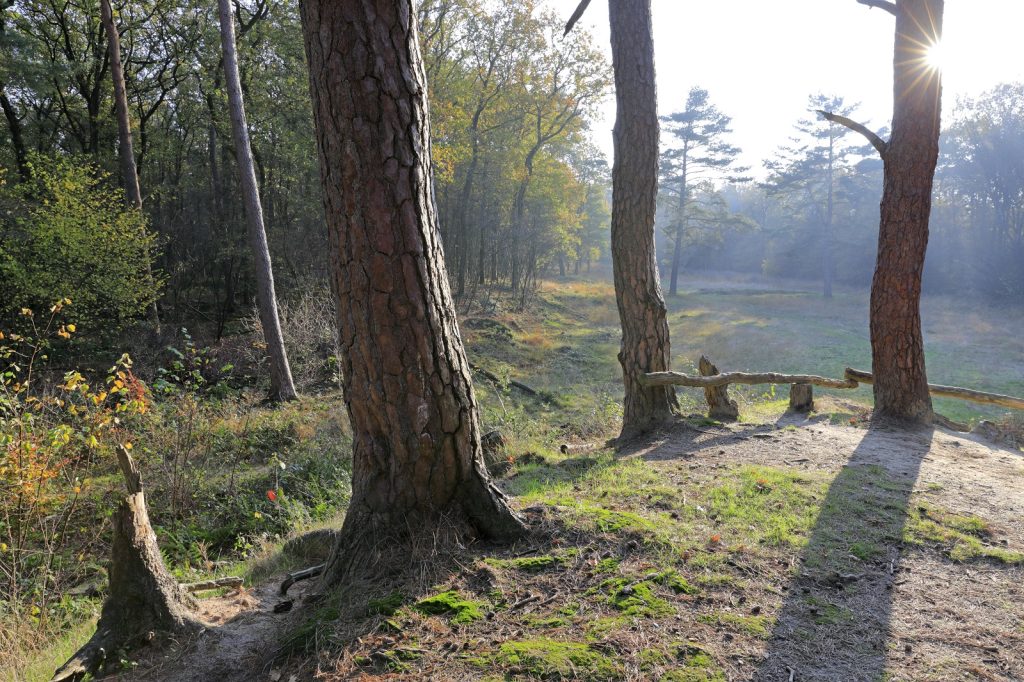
pixel 636 598
pixel 386 606
pixel 961 537
pixel 451 604
pixel 756 626
pixel 533 564
pixel 549 659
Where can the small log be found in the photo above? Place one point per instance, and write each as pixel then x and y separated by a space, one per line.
pixel 719 405
pixel 971 395
pixel 214 584
pixel 801 397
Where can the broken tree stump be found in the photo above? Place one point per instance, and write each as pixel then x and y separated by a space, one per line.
pixel 144 598
pixel 719 405
pixel 801 397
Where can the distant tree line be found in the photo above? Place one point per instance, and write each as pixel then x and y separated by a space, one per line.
pixel 815 216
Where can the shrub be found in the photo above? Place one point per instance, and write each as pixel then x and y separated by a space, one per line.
pixel 67 233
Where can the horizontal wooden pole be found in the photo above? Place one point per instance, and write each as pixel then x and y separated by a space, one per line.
pixel 950 391
pixel 679 379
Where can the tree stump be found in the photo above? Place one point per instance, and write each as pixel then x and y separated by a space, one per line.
pixel 144 597
pixel 719 405
pixel 801 397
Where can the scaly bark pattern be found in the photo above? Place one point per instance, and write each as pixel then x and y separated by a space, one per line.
pixel 416 442
pixel 645 336
pixel 897 348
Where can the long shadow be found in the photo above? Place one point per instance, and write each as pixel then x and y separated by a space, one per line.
pixel 834 623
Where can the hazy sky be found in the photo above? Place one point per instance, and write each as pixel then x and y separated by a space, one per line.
pixel 760 59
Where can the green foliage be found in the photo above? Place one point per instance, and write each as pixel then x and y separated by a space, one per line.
pixel 68 234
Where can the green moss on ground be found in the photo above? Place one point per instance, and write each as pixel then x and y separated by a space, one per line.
pixel 549 659
pixel 451 604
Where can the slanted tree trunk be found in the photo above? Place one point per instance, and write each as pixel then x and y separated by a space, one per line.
pixel 282 388
pixel 125 149
pixel 144 597
pixel 645 336
pixel 417 458
pixel 897 348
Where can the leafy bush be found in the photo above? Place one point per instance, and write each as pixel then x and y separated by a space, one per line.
pixel 66 233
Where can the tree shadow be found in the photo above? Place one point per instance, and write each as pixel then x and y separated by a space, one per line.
pixel 835 622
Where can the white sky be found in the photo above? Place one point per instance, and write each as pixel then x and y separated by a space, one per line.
pixel 760 59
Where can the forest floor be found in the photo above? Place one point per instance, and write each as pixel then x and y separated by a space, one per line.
pixel 782 547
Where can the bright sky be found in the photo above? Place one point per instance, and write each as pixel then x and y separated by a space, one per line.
pixel 760 59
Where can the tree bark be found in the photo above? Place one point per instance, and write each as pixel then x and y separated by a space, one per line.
pixel 897 347
pixel 125 149
pixel 417 458
pixel 645 336
pixel 17 136
pixel 144 597
pixel 282 388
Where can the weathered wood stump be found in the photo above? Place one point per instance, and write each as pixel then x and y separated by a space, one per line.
pixel 719 405
pixel 144 597
pixel 801 397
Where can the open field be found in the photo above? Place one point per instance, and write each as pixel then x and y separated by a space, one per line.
pixel 785 328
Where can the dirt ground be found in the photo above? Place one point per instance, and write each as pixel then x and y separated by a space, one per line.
pixel 913 615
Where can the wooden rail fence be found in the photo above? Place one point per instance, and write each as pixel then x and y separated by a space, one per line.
pixel 801 397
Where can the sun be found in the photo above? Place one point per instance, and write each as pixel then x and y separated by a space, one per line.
pixel 935 56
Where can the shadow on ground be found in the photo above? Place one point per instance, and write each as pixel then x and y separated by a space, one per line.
pixel 834 623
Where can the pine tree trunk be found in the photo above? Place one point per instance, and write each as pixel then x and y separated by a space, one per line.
pixel 15 130
pixel 417 456
pixel 897 348
pixel 125 148
pixel 282 388
pixel 645 335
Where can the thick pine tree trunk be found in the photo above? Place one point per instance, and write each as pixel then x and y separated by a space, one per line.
pixel 125 148
pixel 645 336
pixel 897 348
pixel 282 388
pixel 417 457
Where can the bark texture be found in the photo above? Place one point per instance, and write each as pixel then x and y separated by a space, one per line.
pixel 416 430
pixel 144 597
pixel 897 348
pixel 282 387
pixel 719 404
pixel 645 337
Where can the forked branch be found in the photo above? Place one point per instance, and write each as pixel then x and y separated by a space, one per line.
pixel 877 142
pixel 889 7
pixel 580 9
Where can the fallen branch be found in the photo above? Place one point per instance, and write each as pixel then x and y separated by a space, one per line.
pixel 950 391
pixel 304 574
pixel 214 584
pixel 679 379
